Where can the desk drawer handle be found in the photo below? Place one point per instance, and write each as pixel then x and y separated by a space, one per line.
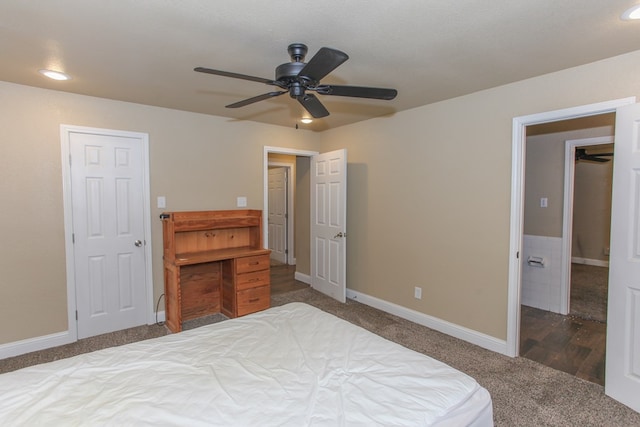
pixel 254 263
pixel 254 299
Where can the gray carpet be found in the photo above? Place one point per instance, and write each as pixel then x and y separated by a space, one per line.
pixel 524 393
pixel 589 287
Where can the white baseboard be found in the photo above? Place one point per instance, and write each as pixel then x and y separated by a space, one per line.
pixel 465 334
pixel 485 341
pixel 305 278
pixel 587 261
pixel 17 348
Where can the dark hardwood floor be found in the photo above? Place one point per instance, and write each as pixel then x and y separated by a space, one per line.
pixel 575 343
pixel 283 279
pixel 567 343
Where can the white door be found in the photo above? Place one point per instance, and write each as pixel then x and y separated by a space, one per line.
pixel 108 228
pixel 622 370
pixel 328 223
pixel 277 218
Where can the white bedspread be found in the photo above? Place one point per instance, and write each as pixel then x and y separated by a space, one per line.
pixel 292 365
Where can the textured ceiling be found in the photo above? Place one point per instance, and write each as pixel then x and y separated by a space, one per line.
pixel 144 51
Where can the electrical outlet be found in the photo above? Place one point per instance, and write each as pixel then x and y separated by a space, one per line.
pixel 417 293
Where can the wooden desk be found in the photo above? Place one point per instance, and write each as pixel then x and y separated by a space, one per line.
pixel 214 262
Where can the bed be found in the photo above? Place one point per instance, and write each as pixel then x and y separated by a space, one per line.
pixel 293 365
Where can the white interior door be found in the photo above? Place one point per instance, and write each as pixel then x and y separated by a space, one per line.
pixel 108 227
pixel 328 223
pixel 278 214
pixel 622 370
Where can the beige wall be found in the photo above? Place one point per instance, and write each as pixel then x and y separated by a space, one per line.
pixel 429 192
pixel 544 177
pixel 429 189
pixel 282 158
pixel 196 162
pixel 592 207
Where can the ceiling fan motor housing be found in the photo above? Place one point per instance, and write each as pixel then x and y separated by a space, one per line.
pixel 289 72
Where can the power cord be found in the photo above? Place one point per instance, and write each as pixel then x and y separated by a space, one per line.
pixel 157 306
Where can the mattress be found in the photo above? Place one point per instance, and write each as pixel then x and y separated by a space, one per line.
pixel 292 365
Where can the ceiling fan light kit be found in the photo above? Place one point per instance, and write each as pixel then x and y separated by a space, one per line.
pixel 297 77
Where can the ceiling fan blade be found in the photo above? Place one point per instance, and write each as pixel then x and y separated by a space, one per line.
pixel 313 105
pixel 254 99
pixel 581 154
pixel 235 75
pixel 357 91
pixel 323 62
pixel 594 158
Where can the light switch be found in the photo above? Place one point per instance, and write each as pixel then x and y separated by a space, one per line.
pixel 242 202
pixel 543 202
pixel 162 202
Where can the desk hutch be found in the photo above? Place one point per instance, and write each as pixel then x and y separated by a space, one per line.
pixel 214 262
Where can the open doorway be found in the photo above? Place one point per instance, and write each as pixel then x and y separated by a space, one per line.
pixel 326 204
pixel 290 275
pixel 565 244
pixel 589 208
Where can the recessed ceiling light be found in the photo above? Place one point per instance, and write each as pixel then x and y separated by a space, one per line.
pixel 55 75
pixel 306 121
pixel 631 13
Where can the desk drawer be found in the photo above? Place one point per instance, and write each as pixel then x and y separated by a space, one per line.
pixel 252 280
pixel 252 300
pixel 252 263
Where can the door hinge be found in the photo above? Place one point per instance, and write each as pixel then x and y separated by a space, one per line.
pixel 73 238
pixel 286 251
pixel 76 314
pixel 518 254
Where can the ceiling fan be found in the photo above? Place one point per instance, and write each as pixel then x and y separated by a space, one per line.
pixel 298 77
pixel 581 154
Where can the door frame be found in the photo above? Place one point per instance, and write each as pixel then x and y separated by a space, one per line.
pixel 570 146
pixel 65 131
pixel 290 213
pixel 518 146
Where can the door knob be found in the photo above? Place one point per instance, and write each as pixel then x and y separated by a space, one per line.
pixel 138 243
pixel 340 234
